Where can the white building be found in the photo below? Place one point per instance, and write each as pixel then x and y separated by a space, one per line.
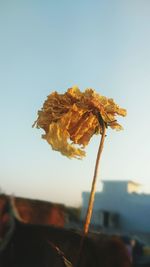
pixel 121 205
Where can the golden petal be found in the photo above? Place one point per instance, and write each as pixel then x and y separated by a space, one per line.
pixel 58 139
pixel 79 123
pixel 115 125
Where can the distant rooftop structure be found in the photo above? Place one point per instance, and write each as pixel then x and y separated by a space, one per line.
pixel 128 199
pixel 134 187
pixel 128 186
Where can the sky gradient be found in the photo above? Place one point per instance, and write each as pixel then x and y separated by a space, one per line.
pixel 53 45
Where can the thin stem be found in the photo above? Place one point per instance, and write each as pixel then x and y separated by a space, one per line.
pixel 92 194
pixel 93 189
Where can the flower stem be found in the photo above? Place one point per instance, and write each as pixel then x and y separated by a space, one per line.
pixel 93 189
pixel 92 194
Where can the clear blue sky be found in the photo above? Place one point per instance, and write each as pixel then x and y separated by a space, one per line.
pixel 52 45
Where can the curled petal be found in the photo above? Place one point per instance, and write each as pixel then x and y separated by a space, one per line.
pixel 58 139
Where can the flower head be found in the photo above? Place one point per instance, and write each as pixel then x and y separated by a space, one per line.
pixel 71 119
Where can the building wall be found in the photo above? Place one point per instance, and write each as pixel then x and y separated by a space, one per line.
pixel 133 208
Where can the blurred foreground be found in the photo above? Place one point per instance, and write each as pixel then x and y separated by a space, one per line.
pixel 38 212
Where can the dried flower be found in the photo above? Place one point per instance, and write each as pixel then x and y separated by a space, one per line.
pixel 71 119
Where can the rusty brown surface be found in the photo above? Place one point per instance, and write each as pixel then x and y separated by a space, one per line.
pixel 37 211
